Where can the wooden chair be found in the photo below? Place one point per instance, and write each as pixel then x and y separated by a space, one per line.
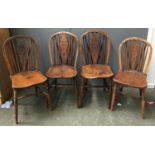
pixel 134 58
pixel 21 54
pixel 95 52
pixel 63 52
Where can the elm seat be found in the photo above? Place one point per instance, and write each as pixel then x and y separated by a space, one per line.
pixel 96 71
pixel 61 71
pixel 131 79
pixel 27 79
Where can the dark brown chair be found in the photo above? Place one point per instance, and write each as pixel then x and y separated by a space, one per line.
pixel 63 52
pixel 95 52
pixel 134 58
pixel 21 54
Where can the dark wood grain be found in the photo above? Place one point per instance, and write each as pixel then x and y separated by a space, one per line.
pixel 21 54
pixel 96 71
pixel 63 49
pixel 63 52
pixel 134 59
pixel 27 79
pixel 95 53
pixel 61 71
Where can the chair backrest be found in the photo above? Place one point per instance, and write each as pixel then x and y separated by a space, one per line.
pixel 21 53
pixel 134 54
pixel 95 47
pixel 63 49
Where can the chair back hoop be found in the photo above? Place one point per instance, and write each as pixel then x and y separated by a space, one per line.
pixel 135 54
pixel 63 48
pixel 21 53
pixel 95 47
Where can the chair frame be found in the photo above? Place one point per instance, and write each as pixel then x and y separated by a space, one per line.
pixel 143 68
pixel 84 82
pixel 38 90
pixel 55 83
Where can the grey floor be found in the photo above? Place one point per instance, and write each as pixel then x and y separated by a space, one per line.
pixel 32 111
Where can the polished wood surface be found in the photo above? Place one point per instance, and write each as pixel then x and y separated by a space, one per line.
pixel 63 52
pixel 95 47
pixel 63 49
pixel 96 71
pixel 61 71
pixel 95 53
pixel 135 54
pixel 27 79
pixel 134 59
pixel 131 79
pixel 21 54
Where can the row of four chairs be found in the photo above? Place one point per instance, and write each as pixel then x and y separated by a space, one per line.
pixel 21 54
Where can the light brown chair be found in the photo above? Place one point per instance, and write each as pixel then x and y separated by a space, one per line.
pixel 134 58
pixel 63 52
pixel 95 53
pixel 21 54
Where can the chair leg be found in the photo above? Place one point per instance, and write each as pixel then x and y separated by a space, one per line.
pixel 113 97
pixel 140 92
pixel 104 85
pixel 76 89
pixel 55 82
pixel 142 103
pixel 48 84
pixel 85 84
pixel 46 93
pixel 15 105
pixel 121 88
pixel 110 91
pixel 36 90
pixel 81 93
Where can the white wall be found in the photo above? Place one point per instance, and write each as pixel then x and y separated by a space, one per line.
pixel 151 71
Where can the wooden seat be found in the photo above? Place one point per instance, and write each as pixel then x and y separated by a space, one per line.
pixel 27 79
pixel 134 58
pixel 61 71
pixel 131 79
pixel 21 54
pixel 63 53
pixel 96 71
pixel 95 53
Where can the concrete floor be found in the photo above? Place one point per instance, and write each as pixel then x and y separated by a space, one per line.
pixel 32 111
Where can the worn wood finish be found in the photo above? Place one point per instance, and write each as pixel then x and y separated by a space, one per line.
pixel 96 71
pixel 131 79
pixel 142 103
pixel 95 53
pixel 15 102
pixel 135 54
pixel 110 90
pixel 82 92
pixel 21 54
pixel 113 97
pixel 134 58
pixel 27 79
pixel 61 71
pixel 63 52
pixel 63 49
pixel 95 47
